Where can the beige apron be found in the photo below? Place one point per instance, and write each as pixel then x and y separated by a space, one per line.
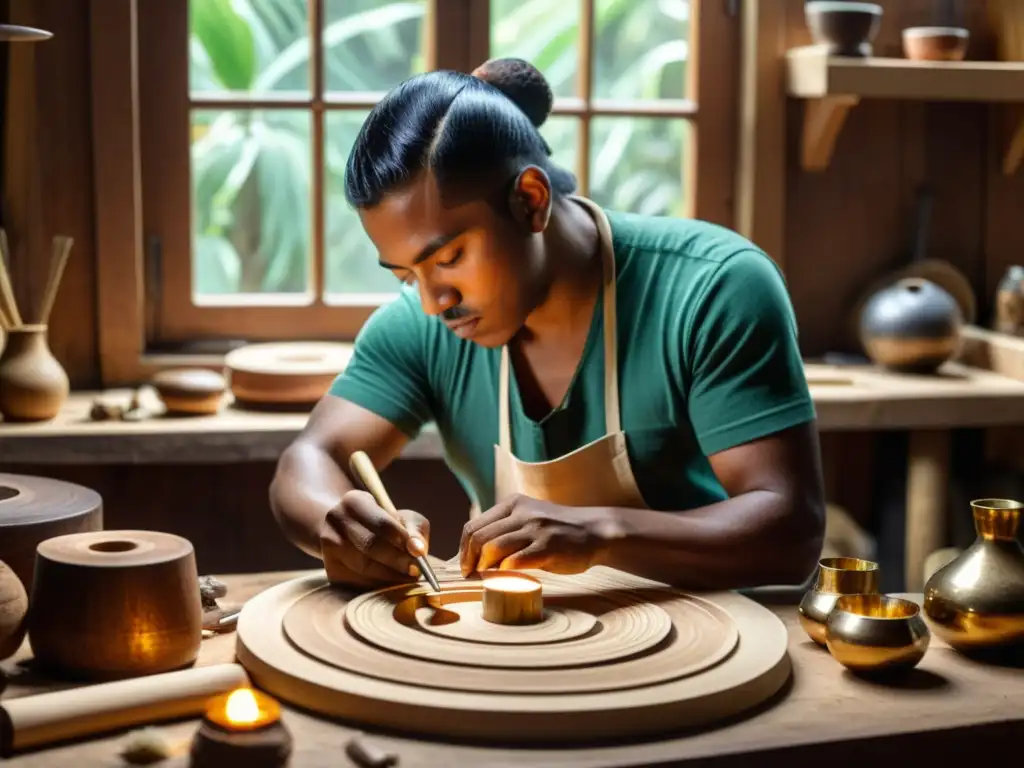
pixel 596 474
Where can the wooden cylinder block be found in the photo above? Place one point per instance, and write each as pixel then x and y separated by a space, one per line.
pixel 512 598
pixel 113 604
pixel 33 509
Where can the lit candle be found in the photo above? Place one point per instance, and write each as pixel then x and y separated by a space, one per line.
pixel 512 599
pixel 242 727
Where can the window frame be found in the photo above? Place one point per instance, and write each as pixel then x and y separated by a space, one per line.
pixel 141 150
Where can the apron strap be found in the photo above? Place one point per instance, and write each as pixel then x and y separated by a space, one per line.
pixel 612 423
pixel 611 359
pixel 504 436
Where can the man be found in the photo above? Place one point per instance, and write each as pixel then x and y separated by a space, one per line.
pixel 611 388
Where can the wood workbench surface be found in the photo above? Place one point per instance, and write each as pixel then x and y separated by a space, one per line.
pixel 948 707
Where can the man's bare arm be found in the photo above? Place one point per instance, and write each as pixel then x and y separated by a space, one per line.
pixel 312 475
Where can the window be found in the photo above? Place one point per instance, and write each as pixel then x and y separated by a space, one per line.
pixel 247 110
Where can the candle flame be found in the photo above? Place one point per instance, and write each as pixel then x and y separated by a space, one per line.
pixel 511 584
pixel 242 707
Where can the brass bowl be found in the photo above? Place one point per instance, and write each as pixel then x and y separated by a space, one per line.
pixel 837 576
pixel 876 633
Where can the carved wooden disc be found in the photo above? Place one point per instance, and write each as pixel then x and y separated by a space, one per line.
pixel 371 659
pixel 619 625
pixel 465 621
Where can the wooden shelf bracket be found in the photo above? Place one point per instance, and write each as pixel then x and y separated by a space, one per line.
pixel 823 119
pixel 831 85
pixel 1013 127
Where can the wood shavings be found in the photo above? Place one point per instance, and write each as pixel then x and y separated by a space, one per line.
pixel 146 746
pixel 366 755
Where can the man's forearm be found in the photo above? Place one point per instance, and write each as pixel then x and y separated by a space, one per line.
pixel 753 539
pixel 307 484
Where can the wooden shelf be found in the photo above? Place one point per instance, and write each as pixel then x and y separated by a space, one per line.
pixel 833 85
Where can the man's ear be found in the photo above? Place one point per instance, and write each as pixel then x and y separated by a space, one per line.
pixel 530 198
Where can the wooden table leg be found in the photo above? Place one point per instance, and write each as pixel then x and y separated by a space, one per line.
pixel 927 501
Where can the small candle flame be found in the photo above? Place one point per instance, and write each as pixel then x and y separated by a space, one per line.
pixel 242 708
pixel 511 584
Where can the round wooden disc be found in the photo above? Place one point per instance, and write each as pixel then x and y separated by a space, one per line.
pixel 285 373
pixel 321 664
pixel 33 509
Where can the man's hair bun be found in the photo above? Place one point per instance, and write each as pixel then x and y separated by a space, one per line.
pixel 523 83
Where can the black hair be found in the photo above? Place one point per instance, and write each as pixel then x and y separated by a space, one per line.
pixel 462 127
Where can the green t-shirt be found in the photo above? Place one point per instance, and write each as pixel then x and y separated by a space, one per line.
pixel 708 359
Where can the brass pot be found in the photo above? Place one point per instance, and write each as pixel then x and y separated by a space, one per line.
pixel 876 633
pixel 837 576
pixel 976 601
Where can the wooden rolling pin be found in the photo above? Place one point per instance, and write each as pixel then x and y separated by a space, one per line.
pixel 46 718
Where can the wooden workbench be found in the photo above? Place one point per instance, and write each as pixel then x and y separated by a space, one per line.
pixel 949 708
pixel 989 392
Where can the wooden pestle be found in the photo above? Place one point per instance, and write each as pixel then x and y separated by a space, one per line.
pixel 46 718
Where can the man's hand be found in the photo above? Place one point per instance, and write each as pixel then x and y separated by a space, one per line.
pixel 363 546
pixel 521 532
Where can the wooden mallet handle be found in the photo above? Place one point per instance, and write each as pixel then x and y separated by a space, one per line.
pixel 363 468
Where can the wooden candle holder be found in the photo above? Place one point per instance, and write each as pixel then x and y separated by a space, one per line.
pixel 512 598
pixel 243 727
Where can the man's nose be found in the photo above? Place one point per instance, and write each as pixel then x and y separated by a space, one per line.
pixel 437 298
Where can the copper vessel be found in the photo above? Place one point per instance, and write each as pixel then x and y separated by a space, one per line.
pixel 876 633
pixel 976 601
pixel 837 576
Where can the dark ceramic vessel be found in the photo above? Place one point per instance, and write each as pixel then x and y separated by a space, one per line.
pixel 912 325
pixel 847 28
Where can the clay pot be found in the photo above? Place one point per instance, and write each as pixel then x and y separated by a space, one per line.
pixel 33 384
pixel 13 608
pixel 912 325
pixel 935 43
pixel 976 601
pixel 1010 302
pixel 846 29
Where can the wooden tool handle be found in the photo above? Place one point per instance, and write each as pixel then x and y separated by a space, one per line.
pixel 46 718
pixel 363 468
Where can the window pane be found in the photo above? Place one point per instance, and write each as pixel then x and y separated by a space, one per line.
pixel 251 198
pixel 351 259
pixel 259 47
pixel 641 48
pixel 636 164
pixel 372 45
pixel 562 134
pixel 544 32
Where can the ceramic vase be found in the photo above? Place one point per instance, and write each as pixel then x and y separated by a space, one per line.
pixel 13 608
pixel 33 384
pixel 912 326
pixel 837 576
pixel 976 601
pixel 1010 302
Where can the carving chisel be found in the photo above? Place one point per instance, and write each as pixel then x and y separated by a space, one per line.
pixel 363 468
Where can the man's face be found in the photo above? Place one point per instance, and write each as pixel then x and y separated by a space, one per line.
pixel 475 268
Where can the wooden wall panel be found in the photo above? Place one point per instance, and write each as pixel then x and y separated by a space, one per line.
pixel 224 510
pixel 58 162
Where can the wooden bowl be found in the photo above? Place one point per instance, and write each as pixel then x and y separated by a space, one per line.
pixel 845 28
pixel 115 604
pixel 935 43
pixel 190 391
